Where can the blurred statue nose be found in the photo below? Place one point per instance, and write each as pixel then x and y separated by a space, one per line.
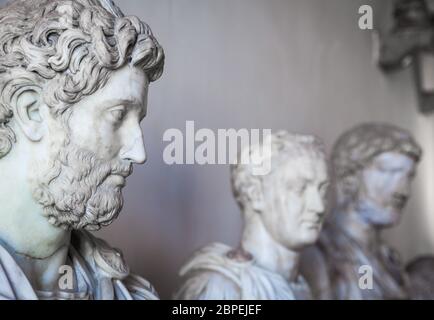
pixel 316 203
pixel 404 188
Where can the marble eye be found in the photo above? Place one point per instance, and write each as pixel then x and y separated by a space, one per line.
pixel 299 188
pixel 117 114
pixel 323 188
pixel 384 168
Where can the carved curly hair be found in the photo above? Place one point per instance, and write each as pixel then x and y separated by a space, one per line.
pixel 67 50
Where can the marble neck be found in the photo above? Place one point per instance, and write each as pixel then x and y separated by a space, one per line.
pixel 267 252
pixel 350 222
pixel 38 247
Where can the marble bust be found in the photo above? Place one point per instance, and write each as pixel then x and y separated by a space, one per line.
pixel 282 212
pixel 373 167
pixel 74 78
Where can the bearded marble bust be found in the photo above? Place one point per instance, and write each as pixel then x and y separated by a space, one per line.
pixel 74 77
pixel 282 213
pixel 373 166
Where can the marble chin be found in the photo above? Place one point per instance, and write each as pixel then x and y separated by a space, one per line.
pixel 310 233
pixel 78 190
pixel 378 216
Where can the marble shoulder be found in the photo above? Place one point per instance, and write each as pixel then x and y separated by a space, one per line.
pixel 140 288
pixel 100 255
pixel 210 274
pixel 213 257
pixel 208 285
pixel 109 262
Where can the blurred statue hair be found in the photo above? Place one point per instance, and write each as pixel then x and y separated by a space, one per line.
pixel 357 147
pixel 283 147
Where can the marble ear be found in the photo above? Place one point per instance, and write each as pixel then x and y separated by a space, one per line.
pixel 27 110
pixel 255 196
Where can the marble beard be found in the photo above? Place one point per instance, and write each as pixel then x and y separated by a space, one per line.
pixel 374 165
pixel 69 136
pixel 283 212
pixel 100 271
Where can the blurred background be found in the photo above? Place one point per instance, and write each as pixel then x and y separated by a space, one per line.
pixel 300 65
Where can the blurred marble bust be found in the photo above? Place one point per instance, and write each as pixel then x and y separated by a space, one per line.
pixel 373 166
pixel 282 213
pixel 74 77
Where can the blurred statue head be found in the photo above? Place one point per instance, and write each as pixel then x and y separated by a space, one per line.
pixel 374 165
pixel 412 14
pixel 74 77
pixel 290 199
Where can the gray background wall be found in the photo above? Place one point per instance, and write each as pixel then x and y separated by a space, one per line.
pixel 300 65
